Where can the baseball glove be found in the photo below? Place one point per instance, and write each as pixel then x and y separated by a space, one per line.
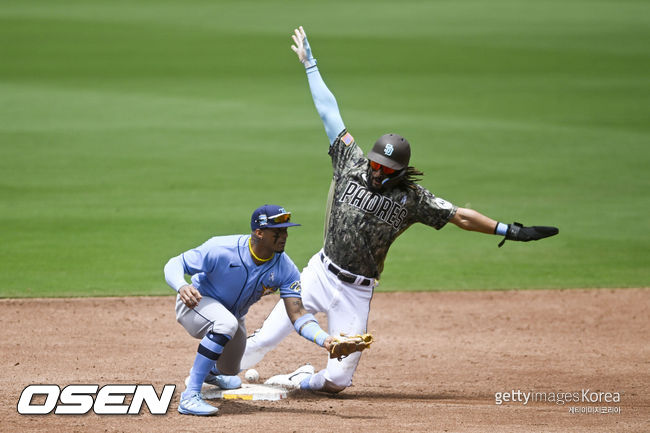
pixel 519 232
pixel 348 344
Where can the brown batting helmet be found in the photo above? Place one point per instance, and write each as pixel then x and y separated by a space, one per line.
pixel 391 150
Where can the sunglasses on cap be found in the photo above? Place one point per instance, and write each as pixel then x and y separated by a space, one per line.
pixel 376 166
pixel 275 219
pixel 280 218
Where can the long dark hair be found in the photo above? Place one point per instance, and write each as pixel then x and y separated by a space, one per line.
pixel 411 177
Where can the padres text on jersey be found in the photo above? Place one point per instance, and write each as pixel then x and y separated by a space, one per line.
pixel 374 203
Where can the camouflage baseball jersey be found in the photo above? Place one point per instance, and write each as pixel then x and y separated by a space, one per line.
pixel 361 224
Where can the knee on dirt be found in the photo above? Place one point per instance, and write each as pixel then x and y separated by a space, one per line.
pixel 337 382
pixel 332 388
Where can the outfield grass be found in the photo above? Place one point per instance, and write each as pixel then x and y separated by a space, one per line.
pixel 131 131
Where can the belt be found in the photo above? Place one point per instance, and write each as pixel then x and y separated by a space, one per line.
pixel 344 276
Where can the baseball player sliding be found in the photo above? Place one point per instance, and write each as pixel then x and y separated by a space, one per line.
pixel 373 200
pixel 229 274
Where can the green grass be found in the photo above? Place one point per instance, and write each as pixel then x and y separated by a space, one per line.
pixel 131 131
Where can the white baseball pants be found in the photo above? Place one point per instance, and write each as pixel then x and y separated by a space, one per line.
pixel 346 305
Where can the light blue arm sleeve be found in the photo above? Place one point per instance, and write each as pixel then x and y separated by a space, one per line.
pixel 326 105
pixel 175 273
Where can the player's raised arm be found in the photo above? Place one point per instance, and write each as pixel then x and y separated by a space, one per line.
pixel 324 100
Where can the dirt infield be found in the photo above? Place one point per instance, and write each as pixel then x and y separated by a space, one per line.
pixel 439 360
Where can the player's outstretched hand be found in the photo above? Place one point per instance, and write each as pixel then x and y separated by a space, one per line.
pixel 345 345
pixel 519 232
pixel 301 47
pixel 328 343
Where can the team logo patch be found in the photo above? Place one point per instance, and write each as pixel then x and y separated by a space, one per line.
pixel 296 287
pixel 442 203
pixel 388 150
pixel 347 139
pixel 268 290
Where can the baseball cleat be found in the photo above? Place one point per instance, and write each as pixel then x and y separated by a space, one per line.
pixel 291 380
pixel 223 381
pixel 195 405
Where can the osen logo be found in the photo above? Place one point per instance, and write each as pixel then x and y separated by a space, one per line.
pixel 80 399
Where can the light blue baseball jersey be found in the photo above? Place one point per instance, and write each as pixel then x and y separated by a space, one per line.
pixel 222 268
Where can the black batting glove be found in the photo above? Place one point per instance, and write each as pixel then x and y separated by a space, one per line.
pixel 518 232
